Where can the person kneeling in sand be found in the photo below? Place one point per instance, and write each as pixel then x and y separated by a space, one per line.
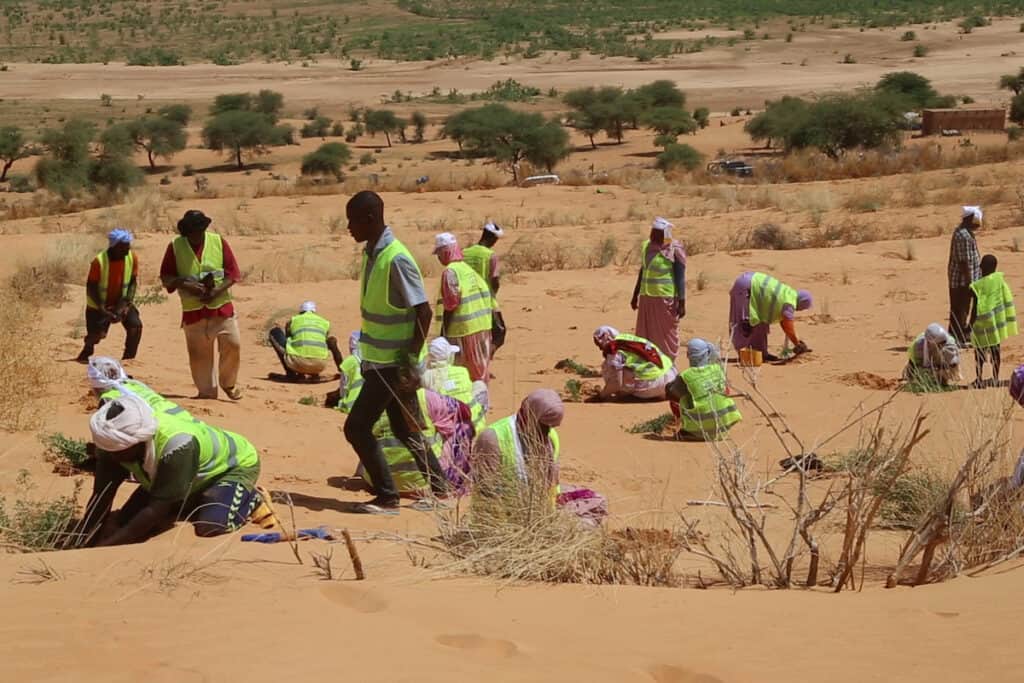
pixel 184 468
pixel 698 396
pixel 933 359
pixel 305 344
pixel 632 366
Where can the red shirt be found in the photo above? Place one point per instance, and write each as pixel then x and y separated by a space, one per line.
pixel 169 268
pixel 115 277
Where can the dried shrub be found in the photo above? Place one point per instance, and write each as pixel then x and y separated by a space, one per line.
pixel 22 338
pixel 308 264
pixel 43 282
pixel 766 236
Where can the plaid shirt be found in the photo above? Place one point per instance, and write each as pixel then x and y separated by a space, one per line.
pixel 963 251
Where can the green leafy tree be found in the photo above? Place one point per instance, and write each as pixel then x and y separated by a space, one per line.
pixel 1017 109
pixel 839 123
pixel 179 113
pixel 702 115
pixel 243 131
pixel 914 88
pixel 65 168
pixel 158 136
pixel 419 124
pixel 266 102
pixel 547 144
pixel 319 127
pixel 669 120
pixel 679 156
pixel 660 94
pixel 328 159
pixel 1014 82
pixel 777 122
pixel 382 121
pixel 13 146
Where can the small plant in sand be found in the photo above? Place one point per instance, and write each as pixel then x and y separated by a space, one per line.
pixel 154 294
pixel 309 401
pixel 66 454
pixel 656 425
pixel 909 251
pixel 572 365
pixel 32 524
pixel 703 280
pixel 573 392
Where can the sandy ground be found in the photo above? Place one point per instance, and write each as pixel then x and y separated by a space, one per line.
pixel 180 608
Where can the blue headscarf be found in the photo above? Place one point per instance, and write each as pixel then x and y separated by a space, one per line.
pixel 120 236
pixel 701 353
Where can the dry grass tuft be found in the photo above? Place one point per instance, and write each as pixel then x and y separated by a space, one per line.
pixel 766 236
pixel 22 338
pixel 43 282
pixel 308 264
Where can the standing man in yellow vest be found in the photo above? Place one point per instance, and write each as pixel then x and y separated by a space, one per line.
pixel 305 344
pixel 659 297
pixel 109 295
pixel 201 267
pixel 993 317
pixel 482 259
pixel 395 320
pixel 464 307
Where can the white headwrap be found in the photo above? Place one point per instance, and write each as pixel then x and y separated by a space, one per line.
pixel 974 211
pixel 134 424
pixel 105 373
pixel 481 395
pixel 663 225
pixel 493 229
pixel 441 351
pixel 444 240
pixel 933 334
pixel 605 335
pixel 308 307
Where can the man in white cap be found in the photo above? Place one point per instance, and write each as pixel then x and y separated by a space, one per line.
pixel 184 467
pixel 482 259
pixel 964 268
pixel 463 309
pixel 659 297
pixel 110 294
pixel 305 344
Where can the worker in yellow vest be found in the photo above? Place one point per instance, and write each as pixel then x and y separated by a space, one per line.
pixel 463 311
pixel 185 468
pixel 484 261
pixel 451 380
pixel 305 344
pixel 633 366
pixel 200 266
pixel 350 380
pixel 518 455
pixel 659 296
pixel 756 302
pixel 699 397
pixel 110 295
pixel 994 317
pixel 395 320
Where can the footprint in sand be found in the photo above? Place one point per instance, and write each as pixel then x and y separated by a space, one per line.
pixel 359 600
pixel 472 641
pixel 664 673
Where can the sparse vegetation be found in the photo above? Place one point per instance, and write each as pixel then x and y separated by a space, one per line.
pixel 655 425
pixel 243 122
pixel 66 454
pixel 32 524
pixel 328 159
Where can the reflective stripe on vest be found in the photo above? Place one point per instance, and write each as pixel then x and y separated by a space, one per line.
pixel 657 278
pixel 352 372
pixel 194 269
pixel 641 368
pixel 307 336
pixel 512 455
pixel 386 330
pixel 478 257
pixel 219 450
pixel 712 413
pixel 400 460
pixel 996 315
pixel 126 279
pixel 458 385
pixel 158 403
pixel 473 313
pixel 768 296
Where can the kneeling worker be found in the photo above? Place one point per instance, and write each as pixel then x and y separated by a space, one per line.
pixel 698 396
pixel 933 359
pixel 183 467
pixel 305 344
pixel 632 366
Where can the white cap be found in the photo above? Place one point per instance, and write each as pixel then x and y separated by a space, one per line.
pixel 308 307
pixel 444 240
pixel 661 224
pixel 493 229
pixel 972 211
pixel 441 350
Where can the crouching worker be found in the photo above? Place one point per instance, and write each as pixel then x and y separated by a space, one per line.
pixel 109 382
pixel 305 344
pixel 185 469
pixel 632 366
pixel 698 396
pixel 933 359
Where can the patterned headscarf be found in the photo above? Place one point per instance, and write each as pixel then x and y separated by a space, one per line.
pixel 119 236
pixel 605 335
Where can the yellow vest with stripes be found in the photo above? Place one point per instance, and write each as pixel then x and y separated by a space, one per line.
pixel 351 370
pixel 158 403
pixel 126 279
pixel 188 266
pixel 386 331
pixel 473 313
pixel 307 336
pixel 709 412
pixel 996 315
pixel 512 456
pixel 656 278
pixel 643 369
pixel 768 296
pixel 400 460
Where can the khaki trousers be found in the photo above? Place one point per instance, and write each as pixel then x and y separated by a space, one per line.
pixel 200 338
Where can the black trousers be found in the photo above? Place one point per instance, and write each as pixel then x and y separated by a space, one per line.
pixel 381 393
pixel 960 302
pixel 97 324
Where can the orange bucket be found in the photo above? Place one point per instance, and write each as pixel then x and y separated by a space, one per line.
pixel 750 358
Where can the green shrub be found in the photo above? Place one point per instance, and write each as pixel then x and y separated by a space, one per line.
pixel 678 156
pixel 367 159
pixel 66 454
pixel 317 128
pixel 30 524
pixel 328 159
pixel 920 50
pixel 154 56
pixel 654 426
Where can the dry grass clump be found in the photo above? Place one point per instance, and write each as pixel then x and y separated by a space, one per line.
pixel 766 236
pixel 43 282
pixel 25 346
pixel 308 264
pixel 144 210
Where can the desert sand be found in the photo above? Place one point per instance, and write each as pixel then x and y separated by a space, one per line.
pixel 180 608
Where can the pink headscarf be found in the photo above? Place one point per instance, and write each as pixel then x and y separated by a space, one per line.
pixel 541 408
pixel 448 254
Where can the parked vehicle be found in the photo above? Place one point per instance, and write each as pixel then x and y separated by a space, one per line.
pixel 733 167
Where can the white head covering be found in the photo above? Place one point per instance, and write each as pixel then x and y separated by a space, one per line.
pixel 934 335
pixel 444 240
pixel 441 351
pixel 494 229
pixel 104 373
pixel 974 211
pixel 605 335
pixel 133 423
pixel 308 307
pixel 701 352
pixel 482 395
pixel 663 225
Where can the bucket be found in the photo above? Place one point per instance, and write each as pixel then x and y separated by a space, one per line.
pixel 750 358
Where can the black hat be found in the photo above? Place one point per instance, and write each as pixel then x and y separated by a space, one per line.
pixel 194 219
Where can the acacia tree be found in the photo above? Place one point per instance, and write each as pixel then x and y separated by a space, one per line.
pixel 1014 82
pixel 328 159
pixel 419 124
pixel 13 146
pixel 382 121
pixel 242 131
pixel 158 136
